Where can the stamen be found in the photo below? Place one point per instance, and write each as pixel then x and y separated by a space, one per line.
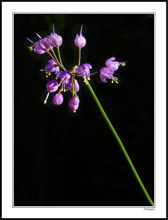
pixel 38 35
pixel 30 40
pixel 60 84
pixel 45 101
pixel 51 84
pixel 46 73
pixel 30 48
pixel 85 81
pixel 112 81
pixel 122 63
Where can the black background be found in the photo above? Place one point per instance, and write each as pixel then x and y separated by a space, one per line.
pixel 67 159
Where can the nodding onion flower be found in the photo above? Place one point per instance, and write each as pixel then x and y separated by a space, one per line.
pixel 110 68
pixel 63 80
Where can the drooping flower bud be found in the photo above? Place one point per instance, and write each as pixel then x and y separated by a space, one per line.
pixel 55 39
pixel 74 103
pixel 58 99
pixel 80 40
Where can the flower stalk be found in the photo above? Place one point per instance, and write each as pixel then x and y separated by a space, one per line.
pixel 54 58
pixel 120 143
pixel 79 57
pixel 59 57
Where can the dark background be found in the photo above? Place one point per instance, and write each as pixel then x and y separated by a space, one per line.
pixel 67 159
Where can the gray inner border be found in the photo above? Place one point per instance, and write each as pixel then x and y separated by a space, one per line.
pixel 144 207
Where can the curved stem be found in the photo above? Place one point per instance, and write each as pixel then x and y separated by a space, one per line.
pixel 120 144
pixel 56 59
pixel 51 56
pixel 59 56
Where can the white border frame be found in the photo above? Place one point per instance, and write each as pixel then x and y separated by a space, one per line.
pixel 159 8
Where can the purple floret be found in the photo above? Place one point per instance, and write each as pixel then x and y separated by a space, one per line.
pixel 58 99
pixel 52 67
pixel 52 86
pixel 74 103
pixel 84 70
pixel 65 77
pixel 80 40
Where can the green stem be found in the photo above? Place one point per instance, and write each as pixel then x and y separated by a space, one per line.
pixel 120 144
pixel 59 57
pixel 59 63
pixel 56 60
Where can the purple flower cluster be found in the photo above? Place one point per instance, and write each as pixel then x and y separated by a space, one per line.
pixel 65 80
pixel 66 83
pixel 110 68
pixel 47 43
